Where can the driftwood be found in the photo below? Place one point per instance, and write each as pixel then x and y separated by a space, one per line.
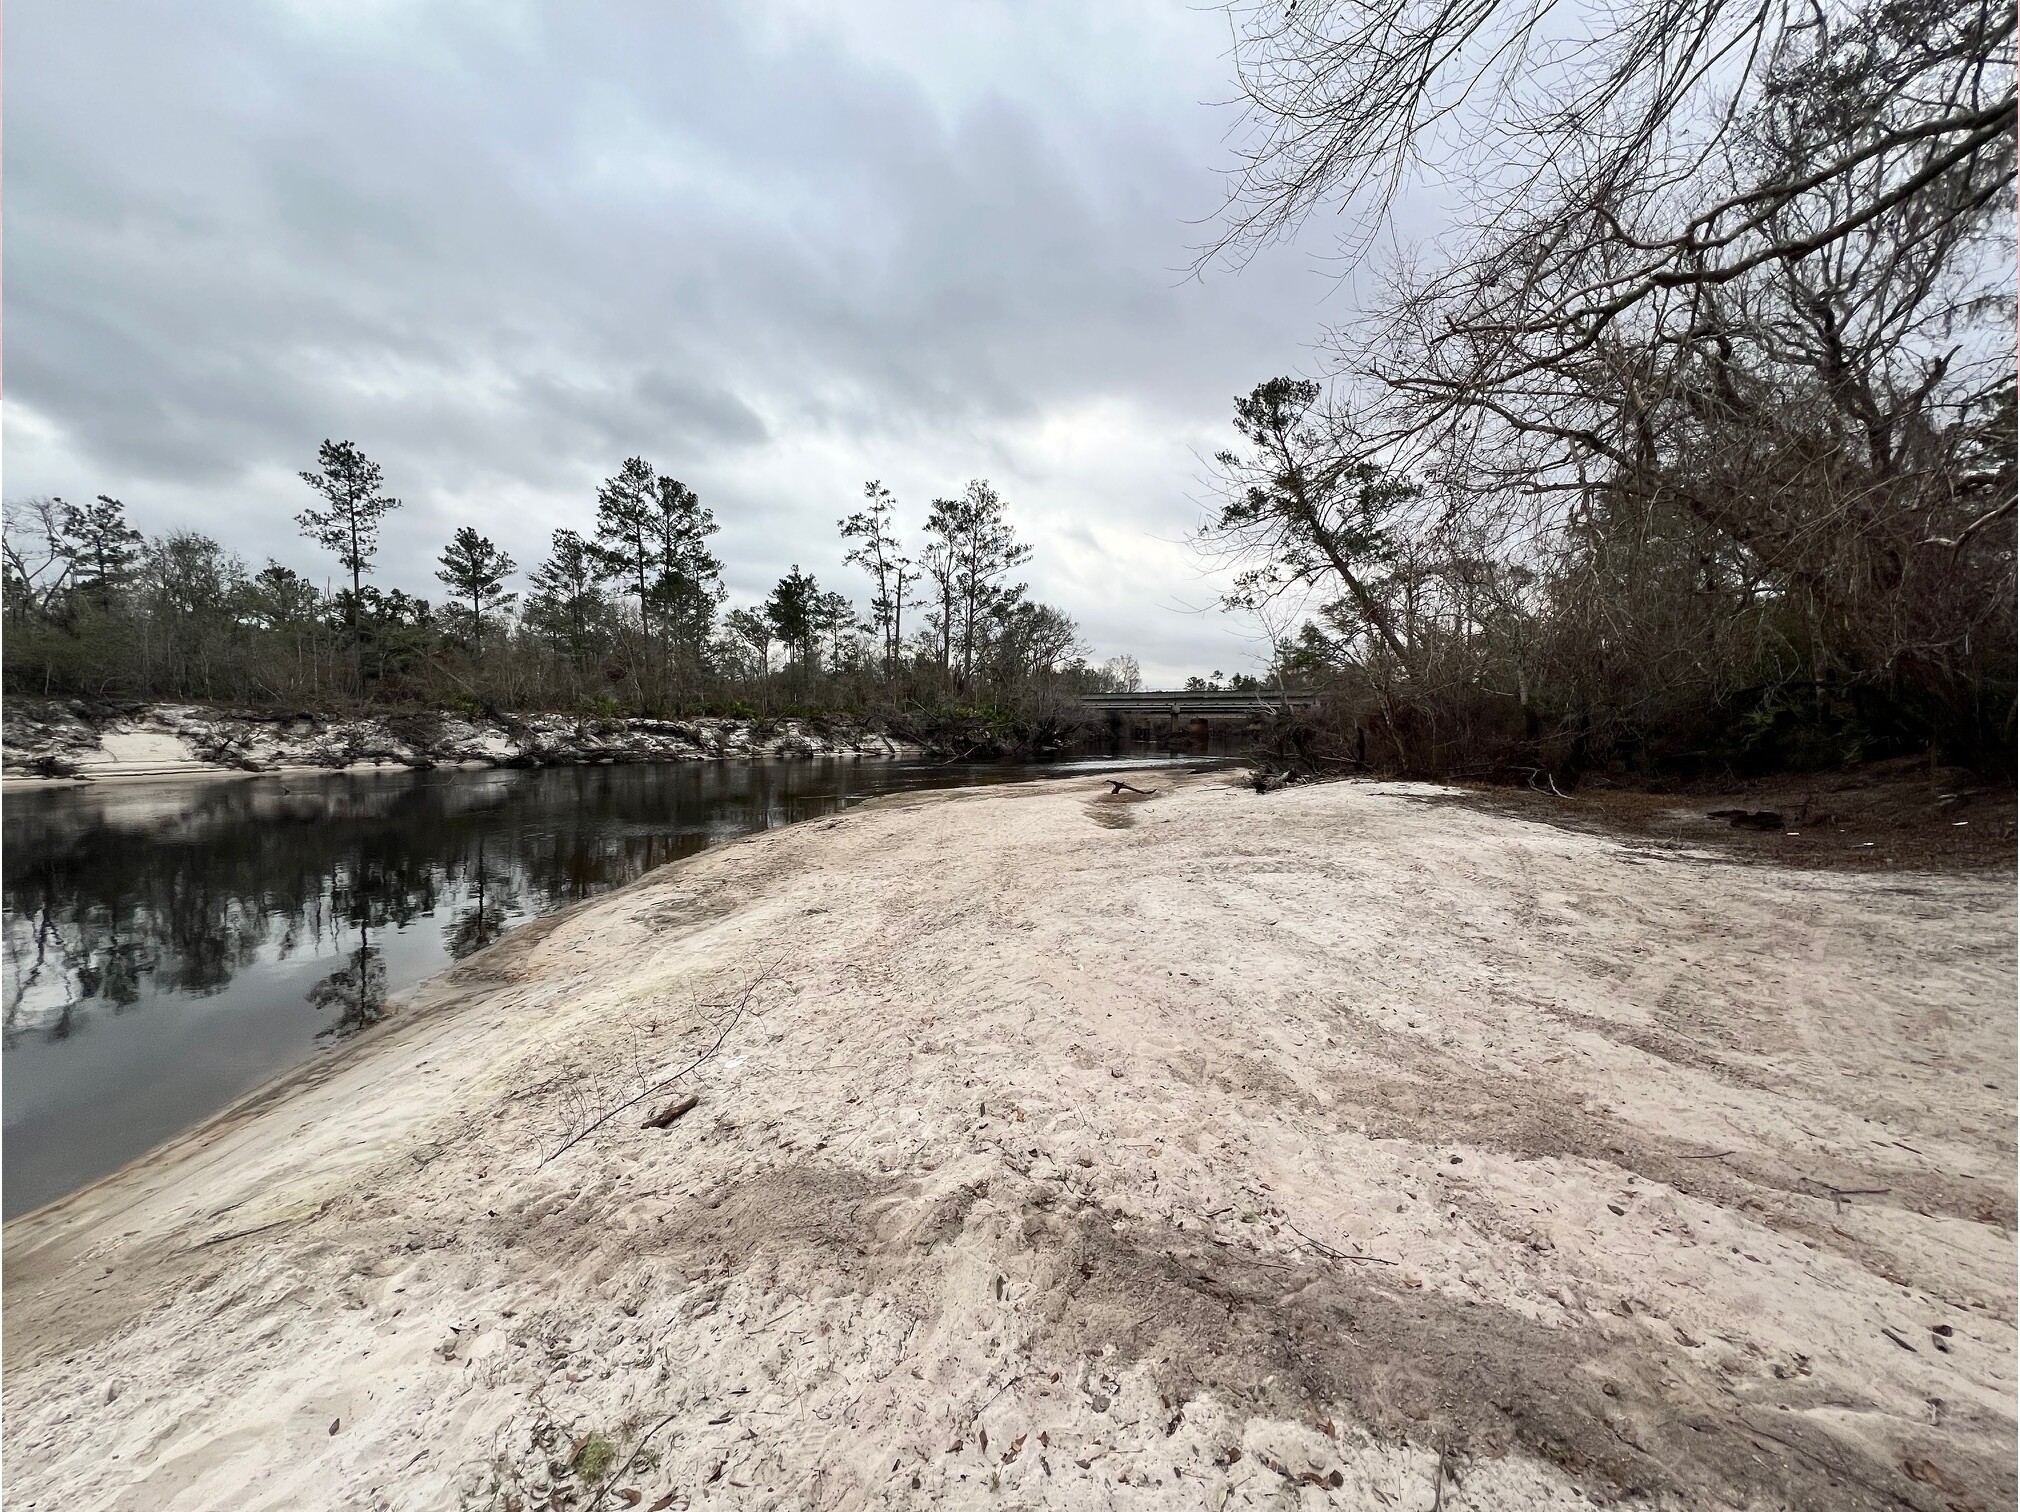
pixel 1757 819
pixel 1269 782
pixel 1117 785
pixel 668 1115
pixel 1535 772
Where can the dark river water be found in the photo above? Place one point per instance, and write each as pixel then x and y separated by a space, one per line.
pixel 170 946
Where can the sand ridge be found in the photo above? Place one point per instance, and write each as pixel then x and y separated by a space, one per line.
pixel 1334 1147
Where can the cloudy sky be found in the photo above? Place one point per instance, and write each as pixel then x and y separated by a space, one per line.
pixel 774 250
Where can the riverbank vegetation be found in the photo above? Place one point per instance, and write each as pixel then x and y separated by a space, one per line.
pixel 1692 442
pixel 626 615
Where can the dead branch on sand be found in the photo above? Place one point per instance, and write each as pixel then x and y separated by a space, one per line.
pixel 736 1009
pixel 1535 772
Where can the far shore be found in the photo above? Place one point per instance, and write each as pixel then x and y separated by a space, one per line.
pixel 1045 1144
pixel 116 772
pixel 52 742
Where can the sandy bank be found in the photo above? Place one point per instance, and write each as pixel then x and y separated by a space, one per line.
pixel 1208 1151
pixel 43 742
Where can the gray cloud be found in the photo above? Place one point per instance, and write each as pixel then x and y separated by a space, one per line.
pixel 504 246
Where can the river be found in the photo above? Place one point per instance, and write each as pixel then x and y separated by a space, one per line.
pixel 170 946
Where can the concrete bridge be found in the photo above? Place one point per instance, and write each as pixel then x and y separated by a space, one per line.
pixel 1249 704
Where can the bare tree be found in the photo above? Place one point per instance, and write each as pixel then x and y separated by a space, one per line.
pixel 37 561
pixel 1746 269
pixel 878 552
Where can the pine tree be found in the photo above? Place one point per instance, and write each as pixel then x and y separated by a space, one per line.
pixel 474 571
pixel 651 533
pixel 102 548
pixel 627 512
pixel 348 523
pixel 833 617
pixel 687 576
pixel 976 548
pixel 567 601
pixel 790 612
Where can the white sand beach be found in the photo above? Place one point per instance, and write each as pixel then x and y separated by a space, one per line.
pixel 1346 1146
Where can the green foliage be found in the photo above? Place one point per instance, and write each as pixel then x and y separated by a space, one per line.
pixel 651 535
pixel 594 1458
pixel 567 608
pixel 790 612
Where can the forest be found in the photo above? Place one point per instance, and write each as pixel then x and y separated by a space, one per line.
pixel 1690 442
pixel 624 616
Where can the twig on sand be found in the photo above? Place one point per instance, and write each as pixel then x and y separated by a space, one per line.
pixel 243 1233
pixel 1438 1478
pixel 1335 1254
pixel 1117 786
pixel 1839 1194
pixel 1715 1155
pixel 610 1481
pixel 730 1021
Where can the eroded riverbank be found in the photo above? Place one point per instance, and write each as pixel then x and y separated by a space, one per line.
pixel 1248 1150
pixel 66 741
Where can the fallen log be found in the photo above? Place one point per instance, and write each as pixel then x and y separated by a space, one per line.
pixel 673 1111
pixel 1117 785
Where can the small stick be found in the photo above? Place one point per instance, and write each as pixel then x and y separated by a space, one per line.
pixel 1839 1194
pixel 1720 1155
pixel 1900 1341
pixel 243 1233
pixel 1334 1254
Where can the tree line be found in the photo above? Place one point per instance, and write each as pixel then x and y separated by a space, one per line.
pixel 625 616
pixel 1692 441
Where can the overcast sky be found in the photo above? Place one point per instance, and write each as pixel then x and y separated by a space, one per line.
pixel 775 251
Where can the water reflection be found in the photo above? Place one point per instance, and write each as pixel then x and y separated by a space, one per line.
pixel 170 946
pixel 356 989
pixel 117 895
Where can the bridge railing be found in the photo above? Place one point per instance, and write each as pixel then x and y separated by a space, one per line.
pixel 1181 701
